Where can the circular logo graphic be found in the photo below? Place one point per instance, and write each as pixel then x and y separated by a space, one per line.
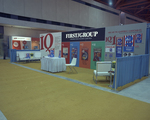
pixel 138 35
pixel 110 49
pixel 24 42
pixel 125 54
pixel 85 56
pixel 15 44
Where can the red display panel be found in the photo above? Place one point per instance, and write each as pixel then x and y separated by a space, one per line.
pixel 85 54
pixel 65 51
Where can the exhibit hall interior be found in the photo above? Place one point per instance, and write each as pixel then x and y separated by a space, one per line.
pixel 74 59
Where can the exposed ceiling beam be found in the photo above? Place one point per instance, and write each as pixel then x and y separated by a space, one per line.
pixel 132 2
pixel 132 5
pixel 101 2
pixel 142 9
pixel 135 8
pixel 118 1
pixel 144 14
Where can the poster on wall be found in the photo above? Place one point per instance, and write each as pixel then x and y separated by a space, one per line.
pixel 118 51
pixel 97 54
pixel 119 41
pixel 74 52
pixel 65 52
pixel 138 38
pixel 127 54
pixel 110 55
pixel 84 54
pixel 119 46
pixel 110 48
pixel 128 43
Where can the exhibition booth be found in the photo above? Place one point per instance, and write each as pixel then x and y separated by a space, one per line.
pixel 119 43
pixel 25 45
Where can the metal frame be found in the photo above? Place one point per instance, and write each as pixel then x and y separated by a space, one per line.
pixel 71 69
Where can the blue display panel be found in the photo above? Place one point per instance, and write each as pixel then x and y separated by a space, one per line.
pixel 74 51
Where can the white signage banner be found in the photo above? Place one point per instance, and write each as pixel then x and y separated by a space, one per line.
pixel 21 38
pixel 50 43
pixel 110 48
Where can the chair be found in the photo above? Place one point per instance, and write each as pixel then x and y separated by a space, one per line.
pixel 37 55
pixel 72 64
pixel 102 69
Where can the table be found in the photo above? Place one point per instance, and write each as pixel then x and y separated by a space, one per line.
pixel 111 72
pixel 53 64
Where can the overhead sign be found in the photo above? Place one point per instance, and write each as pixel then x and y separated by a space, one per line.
pixel 21 38
pixel 84 35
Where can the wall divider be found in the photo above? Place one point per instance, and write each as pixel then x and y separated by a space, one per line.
pixel 129 69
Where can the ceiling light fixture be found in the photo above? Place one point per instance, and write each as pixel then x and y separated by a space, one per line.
pixel 110 2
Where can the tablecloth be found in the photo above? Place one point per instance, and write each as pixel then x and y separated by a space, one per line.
pixel 53 64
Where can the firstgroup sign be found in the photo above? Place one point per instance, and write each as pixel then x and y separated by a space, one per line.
pixel 84 35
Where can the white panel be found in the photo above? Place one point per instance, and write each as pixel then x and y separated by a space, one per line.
pixel 102 5
pixel 100 18
pixel 1 5
pixel 49 10
pixel 128 21
pixel 84 15
pixel 93 17
pixel 63 11
pixel 74 10
pixel 25 32
pixel 33 8
pixel 10 31
pixel 114 20
pixel 107 19
pixel 14 7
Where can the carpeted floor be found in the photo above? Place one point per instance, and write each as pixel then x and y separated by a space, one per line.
pixel 30 95
pixel 83 75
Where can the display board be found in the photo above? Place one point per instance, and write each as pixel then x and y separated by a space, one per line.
pixel 128 40
pixel 97 53
pixel 74 51
pixel 85 54
pixel 50 44
pixel 65 51
pixel 20 43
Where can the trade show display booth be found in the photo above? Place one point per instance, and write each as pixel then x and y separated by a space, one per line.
pixel 120 43
pixel 24 48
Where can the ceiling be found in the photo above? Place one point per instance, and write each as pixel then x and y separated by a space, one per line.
pixel 137 8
